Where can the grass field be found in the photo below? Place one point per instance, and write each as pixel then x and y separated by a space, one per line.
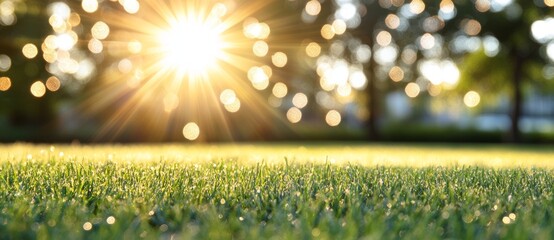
pixel 326 191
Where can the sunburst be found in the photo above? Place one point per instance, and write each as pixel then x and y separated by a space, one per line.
pixel 184 62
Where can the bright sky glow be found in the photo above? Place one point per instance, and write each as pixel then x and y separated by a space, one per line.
pixel 440 72
pixel 191 45
pixel 541 30
pixel 491 46
pixel 499 5
pixel 386 55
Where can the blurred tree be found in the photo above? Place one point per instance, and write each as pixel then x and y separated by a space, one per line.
pixel 344 62
pixel 41 53
pixel 399 36
pixel 416 40
pixel 20 46
pixel 510 56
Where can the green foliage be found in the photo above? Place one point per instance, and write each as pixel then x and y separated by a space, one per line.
pixel 539 83
pixel 76 197
pixel 489 76
pixel 492 76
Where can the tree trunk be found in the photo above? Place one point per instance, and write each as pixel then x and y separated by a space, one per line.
pixel 515 133
pixel 366 35
pixel 372 104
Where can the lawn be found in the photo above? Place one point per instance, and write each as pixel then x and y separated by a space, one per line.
pixel 284 191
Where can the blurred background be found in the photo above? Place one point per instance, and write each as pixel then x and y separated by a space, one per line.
pixel 245 70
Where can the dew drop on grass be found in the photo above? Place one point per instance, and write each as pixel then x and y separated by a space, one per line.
pixel 512 216
pixel 51 223
pixel 316 232
pixel 110 220
pixel 164 227
pixel 87 226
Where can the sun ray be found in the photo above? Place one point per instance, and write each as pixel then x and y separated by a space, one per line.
pixel 190 51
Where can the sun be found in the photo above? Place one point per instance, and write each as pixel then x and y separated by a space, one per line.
pixel 185 61
pixel 191 46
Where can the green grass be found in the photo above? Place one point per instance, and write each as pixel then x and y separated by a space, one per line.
pixel 276 192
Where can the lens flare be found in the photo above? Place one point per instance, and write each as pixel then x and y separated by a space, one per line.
pixel 5 83
pixel 195 61
pixel 191 131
